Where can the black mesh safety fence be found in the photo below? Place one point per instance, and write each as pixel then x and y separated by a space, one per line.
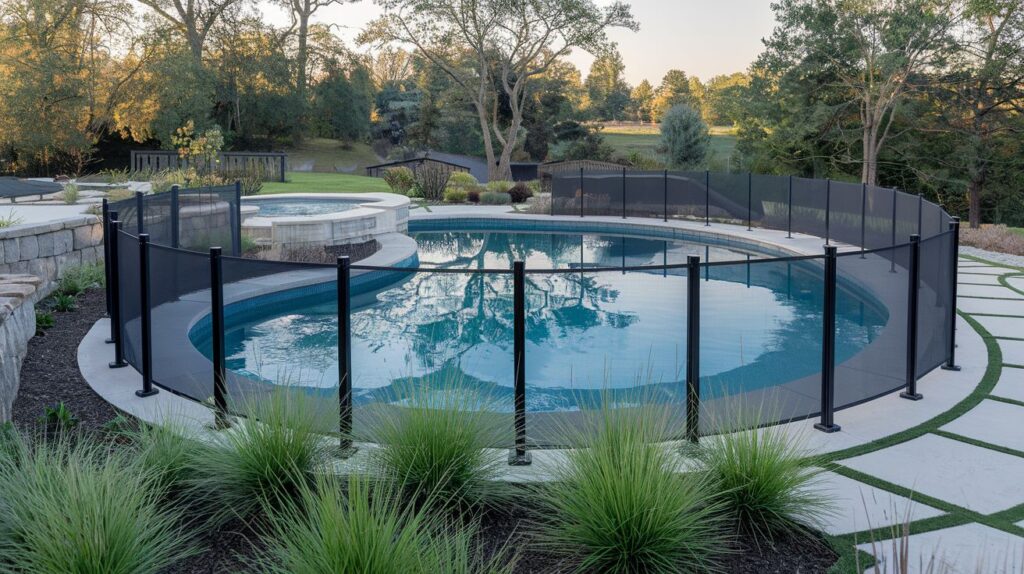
pixel 810 205
pixel 871 339
pixel 935 301
pixel 595 331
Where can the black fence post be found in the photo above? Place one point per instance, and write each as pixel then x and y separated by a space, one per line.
pixel 863 217
pixel 920 211
pixel 750 182
pixel 140 213
pixel 519 456
pixel 693 348
pixel 581 192
pixel 707 198
pixel 175 217
pixel 146 319
pixel 828 210
pixel 954 226
pixel 913 283
pixel 665 192
pixel 345 356
pixel 105 218
pixel 789 216
pixel 115 293
pixel 284 160
pixel 236 221
pixel 892 257
pixel 623 193
pixel 828 346
pixel 220 372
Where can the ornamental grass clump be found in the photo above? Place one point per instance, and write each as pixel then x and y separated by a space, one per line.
pixel 169 451
pixel 436 445
pixel 763 479
pixel 620 504
pixel 354 525
pixel 76 507
pixel 264 460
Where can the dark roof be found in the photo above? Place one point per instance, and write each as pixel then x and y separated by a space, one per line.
pixel 14 187
pixel 477 166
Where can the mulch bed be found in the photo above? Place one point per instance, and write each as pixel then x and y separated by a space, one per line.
pixel 50 375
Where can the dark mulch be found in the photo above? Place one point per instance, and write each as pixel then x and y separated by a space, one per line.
pixel 50 373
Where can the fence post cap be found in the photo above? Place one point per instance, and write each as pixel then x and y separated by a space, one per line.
pixel 831 250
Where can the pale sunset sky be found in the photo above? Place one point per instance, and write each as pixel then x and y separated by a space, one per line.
pixel 701 37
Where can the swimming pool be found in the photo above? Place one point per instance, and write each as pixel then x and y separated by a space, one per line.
pixel 587 332
pixel 287 207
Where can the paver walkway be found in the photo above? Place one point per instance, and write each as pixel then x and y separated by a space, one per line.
pixel 958 486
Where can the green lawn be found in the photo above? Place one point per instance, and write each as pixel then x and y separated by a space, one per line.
pixel 644 139
pixel 313 182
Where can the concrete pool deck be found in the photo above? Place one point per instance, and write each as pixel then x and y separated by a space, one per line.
pixel 953 463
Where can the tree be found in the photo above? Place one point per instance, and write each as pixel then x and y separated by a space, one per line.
pixel 876 52
pixel 606 88
pixel 643 102
pixel 492 49
pixel 725 99
pixel 674 90
pixel 194 19
pixel 684 137
pixel 301 11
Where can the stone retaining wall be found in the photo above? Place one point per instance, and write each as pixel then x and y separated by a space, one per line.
pixel 17 326
pixel 47 249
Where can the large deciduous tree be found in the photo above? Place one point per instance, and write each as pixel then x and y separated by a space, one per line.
pixel 493 49
pixel 194 19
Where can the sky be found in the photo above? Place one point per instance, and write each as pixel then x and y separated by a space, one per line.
pixel 701 37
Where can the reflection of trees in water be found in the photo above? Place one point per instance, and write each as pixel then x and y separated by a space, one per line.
pixel 442 316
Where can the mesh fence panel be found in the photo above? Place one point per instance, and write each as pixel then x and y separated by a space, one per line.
pixel 565 194
pixel 158 218
pixel 934 315
pixel 207 218
pixel 767 365
pixel 906 216
pixel 846 200
pixel 646 193
pixel 932 220
pixel 127 214
pixel 687 195
pixel 871 339
pixel 770 201
pixel 809 199
pixel 729 201
pixel 130 297
pixel 180 296
pixel 878 227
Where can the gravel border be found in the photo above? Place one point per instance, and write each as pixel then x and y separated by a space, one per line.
pixel 994 256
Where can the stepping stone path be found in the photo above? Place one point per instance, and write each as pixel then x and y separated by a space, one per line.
pixel 959 487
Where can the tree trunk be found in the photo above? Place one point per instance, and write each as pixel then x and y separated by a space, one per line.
pixel 974 189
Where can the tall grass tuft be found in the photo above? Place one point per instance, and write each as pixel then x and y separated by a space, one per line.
pixel 347 525
pixel 77 508
pixel 168 451
pixel 264 460
pixel 763 479
pixel 436 445
pixel 620 505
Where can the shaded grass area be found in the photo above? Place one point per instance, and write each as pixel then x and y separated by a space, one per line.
pixel 644 139
pixel 311 182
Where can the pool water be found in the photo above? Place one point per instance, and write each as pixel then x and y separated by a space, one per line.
pixel 587 332
pixel 300 207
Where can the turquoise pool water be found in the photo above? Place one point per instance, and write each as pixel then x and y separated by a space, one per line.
pixel 298 207
pixel 586 331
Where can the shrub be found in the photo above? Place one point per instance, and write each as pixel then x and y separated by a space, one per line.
pixel 500 186
pixel 462 179
pixel 435 445
pixel 168 452
pixel 431 181
pixel 455 195
pixel 10 220
pixel 400 179
pixel 63 303
pixel 77 280
pixel 520 192
pixel 763 481
pixel 495 198
pixel 251 178
pixel 684 137
pixel 78 508
pixel 120 194
pixel 473 196
pixel 619 505
pixel 58 418
pixel 70 194
pixel 266 459
pixel 993 238
pixel 351 527
pixel 44 320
